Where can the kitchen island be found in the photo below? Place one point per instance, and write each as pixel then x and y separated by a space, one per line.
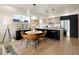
pixel 53 33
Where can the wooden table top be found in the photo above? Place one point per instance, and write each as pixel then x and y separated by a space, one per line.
pixel 33 32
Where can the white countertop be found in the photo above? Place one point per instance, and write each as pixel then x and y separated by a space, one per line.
pixel 49 28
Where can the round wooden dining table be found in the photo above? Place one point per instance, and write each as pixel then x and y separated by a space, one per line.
pixel 33 32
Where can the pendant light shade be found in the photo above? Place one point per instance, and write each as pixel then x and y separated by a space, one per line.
pixel 34 17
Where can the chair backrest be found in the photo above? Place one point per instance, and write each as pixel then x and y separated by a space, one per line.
pixel 30 37
pixel 43 34
pixel 23 34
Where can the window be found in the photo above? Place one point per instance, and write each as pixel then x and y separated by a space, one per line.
pixel 21 18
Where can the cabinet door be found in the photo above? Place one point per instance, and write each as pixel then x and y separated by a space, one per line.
pixel 74 26
pixel 18 35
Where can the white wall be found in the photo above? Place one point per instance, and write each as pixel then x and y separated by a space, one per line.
pixel 4 16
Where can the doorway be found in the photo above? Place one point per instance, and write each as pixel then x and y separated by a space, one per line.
pixel 65 26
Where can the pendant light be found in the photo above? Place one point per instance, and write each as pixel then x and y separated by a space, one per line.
pixel 34 17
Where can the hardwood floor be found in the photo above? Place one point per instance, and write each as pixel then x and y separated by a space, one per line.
pixel 68 46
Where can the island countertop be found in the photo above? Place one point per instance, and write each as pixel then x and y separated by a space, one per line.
pixel 46 28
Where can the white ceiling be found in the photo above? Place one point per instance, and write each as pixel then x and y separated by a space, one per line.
pixel 40 9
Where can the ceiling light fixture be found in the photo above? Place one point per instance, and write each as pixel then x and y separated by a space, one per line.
pixel 52 12
pixel 34 17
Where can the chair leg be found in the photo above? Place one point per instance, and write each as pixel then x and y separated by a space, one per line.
pixel 21 41
pixel 27 44
pixel 35 42
pixel 46 39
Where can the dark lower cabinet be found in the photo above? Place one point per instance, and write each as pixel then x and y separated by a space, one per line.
pixel 18 34
pixel 52 34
